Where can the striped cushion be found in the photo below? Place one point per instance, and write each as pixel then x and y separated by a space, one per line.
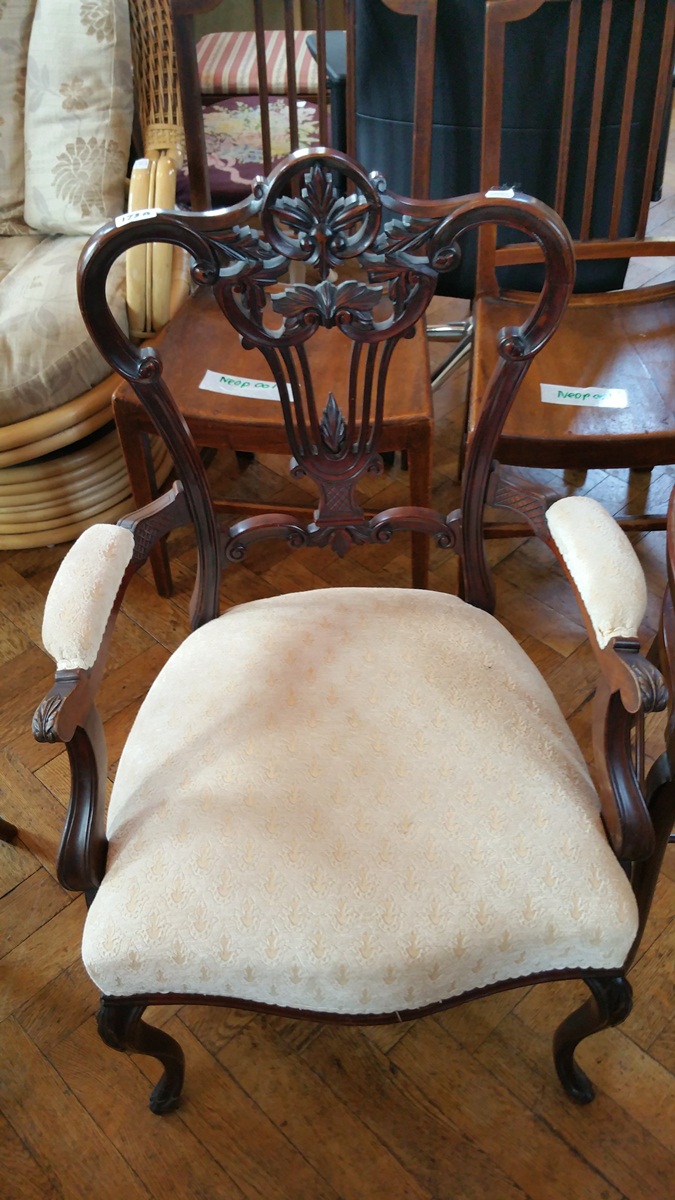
pixel 228 64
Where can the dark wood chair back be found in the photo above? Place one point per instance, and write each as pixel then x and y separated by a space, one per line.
pixel 566 100
pixel 386 275
pixel 608 90
pixel 413 76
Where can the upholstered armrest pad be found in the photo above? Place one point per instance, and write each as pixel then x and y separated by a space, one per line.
pixel 603 565
pixel 82 595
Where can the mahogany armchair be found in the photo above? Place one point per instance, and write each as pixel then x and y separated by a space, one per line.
pixel 352 804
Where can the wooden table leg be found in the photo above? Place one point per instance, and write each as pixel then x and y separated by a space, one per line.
pixel 419 451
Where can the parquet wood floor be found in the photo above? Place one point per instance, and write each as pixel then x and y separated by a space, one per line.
pixel 463 1106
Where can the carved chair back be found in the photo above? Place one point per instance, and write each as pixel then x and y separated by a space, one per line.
pixel 386 271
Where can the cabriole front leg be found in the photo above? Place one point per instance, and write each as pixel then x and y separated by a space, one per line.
pixel 610 1004
pixel 121 1027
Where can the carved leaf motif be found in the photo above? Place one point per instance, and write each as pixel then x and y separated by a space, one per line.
pixel 319 190
pixel 651 683
pixel 333 428
pixel 405 237
pixel 358 299
pixel 328 304
pixel 321 219
pixel 44 719
pixel 296 302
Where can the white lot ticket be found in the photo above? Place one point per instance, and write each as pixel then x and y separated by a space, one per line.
pixel 239 385
pixel 592 397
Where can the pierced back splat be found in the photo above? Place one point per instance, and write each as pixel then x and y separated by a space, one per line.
pixel 394 248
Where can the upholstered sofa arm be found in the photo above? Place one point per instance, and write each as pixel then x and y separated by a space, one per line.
pixel 602 565
pixel 82 595
pixel 158 275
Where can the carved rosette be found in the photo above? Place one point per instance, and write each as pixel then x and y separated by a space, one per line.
pixel 321 226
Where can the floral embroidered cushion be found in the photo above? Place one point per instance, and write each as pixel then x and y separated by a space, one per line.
pixel 234 152
pixel 15 24
pixel 65 131
pixel 79 107
pixel 46 354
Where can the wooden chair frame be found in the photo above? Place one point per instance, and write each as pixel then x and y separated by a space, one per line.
pixel 534 436
pixel 183 13
pixel 336 450
pixel 410 432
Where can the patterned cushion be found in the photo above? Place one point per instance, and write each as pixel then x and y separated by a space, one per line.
pixel 78 115
pixel 16 18
pixel 46 354
pixel 234 152
pixel 228 65
pixel 352 800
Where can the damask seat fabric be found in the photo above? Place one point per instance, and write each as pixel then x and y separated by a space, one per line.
pixel 352 800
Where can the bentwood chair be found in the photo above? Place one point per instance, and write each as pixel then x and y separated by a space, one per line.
pixel 355 804
pixel 614 346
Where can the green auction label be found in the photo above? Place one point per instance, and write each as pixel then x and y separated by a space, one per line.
pixel 590 397
pixel 239 385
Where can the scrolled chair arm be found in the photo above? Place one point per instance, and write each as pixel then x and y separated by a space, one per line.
pixel 610 585
pixel 603 566
pixel 78 619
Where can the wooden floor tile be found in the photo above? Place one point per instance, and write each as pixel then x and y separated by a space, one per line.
pixel 112 1089
pixel 526 1148
pixel 294 1098
pixel 421 1135
pixel 60 1134
pixel 22 1178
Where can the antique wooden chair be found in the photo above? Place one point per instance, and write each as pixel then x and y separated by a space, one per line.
pixel 238 423
pixel 610 339
pixel 353 803
pixel 480 134
pixel 288 106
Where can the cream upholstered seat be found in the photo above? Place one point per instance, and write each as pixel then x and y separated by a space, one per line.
pixel 357 804
pixel 348 819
